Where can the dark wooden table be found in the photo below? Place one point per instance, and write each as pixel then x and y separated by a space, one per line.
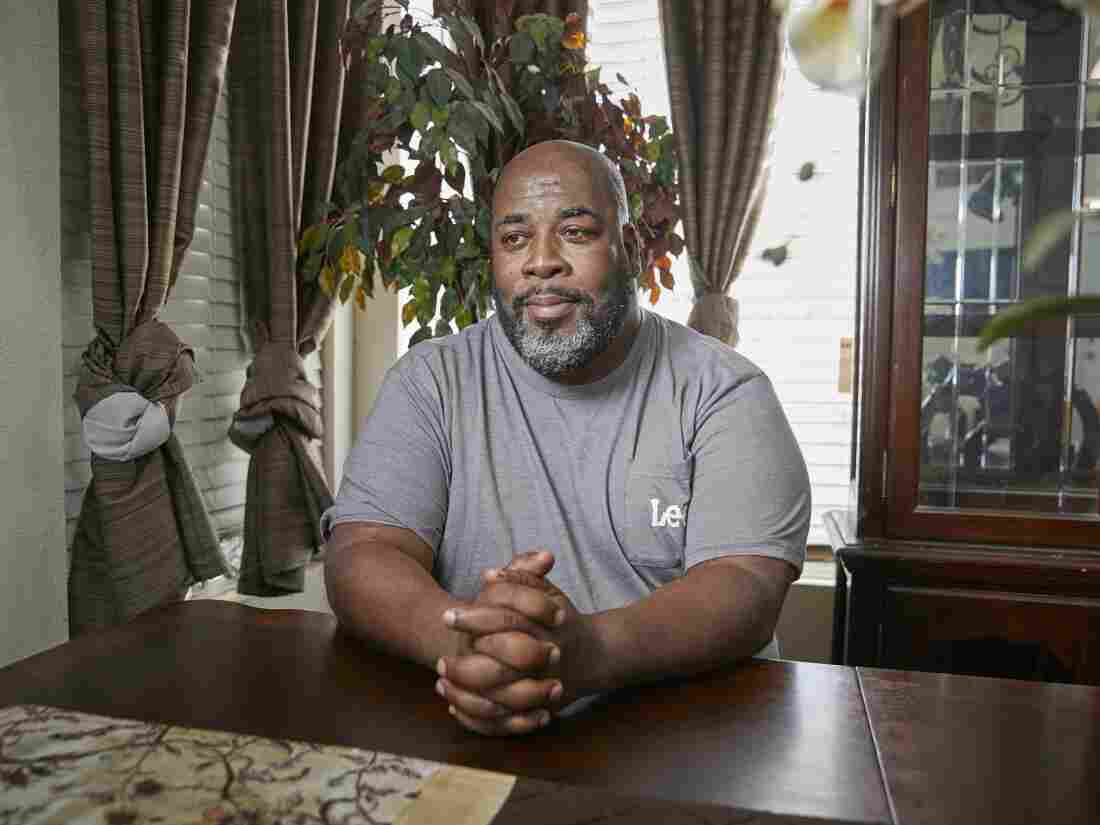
pixel 972 749
pixel 782 739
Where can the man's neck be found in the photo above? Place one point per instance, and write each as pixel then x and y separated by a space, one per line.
pixel 611 358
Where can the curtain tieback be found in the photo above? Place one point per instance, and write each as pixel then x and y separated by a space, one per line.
pixel 277 385
pixel 715 314
pixel 124 426
pixel 127 394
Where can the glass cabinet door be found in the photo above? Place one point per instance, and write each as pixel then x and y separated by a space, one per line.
pixel 1013 136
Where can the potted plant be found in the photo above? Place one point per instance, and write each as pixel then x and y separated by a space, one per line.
pixel 455 109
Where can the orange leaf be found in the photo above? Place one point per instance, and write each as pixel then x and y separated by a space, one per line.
pixel 655 294
pixel 664 262
pixel 351 260
pixel 361 298
pixel 666 279
pixel 408 312
pixel 573 40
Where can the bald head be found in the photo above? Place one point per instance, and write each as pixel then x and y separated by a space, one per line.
pixel 567 159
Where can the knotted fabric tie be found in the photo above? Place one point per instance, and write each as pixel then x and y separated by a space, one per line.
pixel 279 424
pixel 277 384
pixel 143 535
pixel 127 395
pixel 715 314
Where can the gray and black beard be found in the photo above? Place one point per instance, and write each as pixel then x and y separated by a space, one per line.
pixel 552 354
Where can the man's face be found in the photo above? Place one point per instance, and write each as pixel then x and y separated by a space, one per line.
pixel 562 285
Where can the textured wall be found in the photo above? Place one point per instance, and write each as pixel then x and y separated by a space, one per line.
pixel 32 518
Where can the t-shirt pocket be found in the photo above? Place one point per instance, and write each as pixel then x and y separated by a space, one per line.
pixel 657 499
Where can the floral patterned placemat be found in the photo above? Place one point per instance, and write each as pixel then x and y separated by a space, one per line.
pixel 64 766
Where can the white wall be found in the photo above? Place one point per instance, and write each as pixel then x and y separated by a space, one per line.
pixel 33 614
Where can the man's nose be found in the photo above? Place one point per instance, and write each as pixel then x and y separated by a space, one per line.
pixel 544 259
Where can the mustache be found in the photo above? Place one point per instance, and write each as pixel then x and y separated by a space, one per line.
pixel 564 293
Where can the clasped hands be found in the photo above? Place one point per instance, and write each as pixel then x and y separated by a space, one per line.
pixel 521 645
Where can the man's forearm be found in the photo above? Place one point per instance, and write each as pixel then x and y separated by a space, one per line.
pixel 702 621
pixel 381 594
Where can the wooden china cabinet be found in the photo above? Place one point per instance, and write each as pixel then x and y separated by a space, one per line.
pixel 972 539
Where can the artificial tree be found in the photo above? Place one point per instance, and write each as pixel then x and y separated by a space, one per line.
pixel 445 110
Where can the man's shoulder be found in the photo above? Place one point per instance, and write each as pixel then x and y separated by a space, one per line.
pixel 453 355
pixel 698 358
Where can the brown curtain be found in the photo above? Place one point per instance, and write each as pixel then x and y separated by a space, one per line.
pixel 724 64
pixel 151 73
pixel 286 93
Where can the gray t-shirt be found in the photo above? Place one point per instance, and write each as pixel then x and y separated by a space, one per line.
pixel 680 455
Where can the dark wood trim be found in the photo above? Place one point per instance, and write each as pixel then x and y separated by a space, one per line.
pixel 912 216
pixel 874 299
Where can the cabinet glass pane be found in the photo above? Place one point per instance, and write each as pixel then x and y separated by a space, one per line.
pixel 1014 135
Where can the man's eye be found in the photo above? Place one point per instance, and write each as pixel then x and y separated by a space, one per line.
pixel 576 233
pixel 512 239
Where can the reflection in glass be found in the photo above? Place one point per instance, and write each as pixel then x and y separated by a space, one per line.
pixel 1016 427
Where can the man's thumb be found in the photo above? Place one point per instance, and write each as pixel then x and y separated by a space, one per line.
pixel 538 562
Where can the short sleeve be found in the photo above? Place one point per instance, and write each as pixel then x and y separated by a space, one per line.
pixel 398 472
pixel 750 489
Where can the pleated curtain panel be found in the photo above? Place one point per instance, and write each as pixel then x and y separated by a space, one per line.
pixel 724 62
pixel 151 73
pixel 287 84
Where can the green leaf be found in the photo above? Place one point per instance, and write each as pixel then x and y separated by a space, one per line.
pixel 515 114
pixel 658 127
pixel 422 334
pixel 346 287
pixel 375 46
pixel 439 86
pixel 393 174
pixel 410 58
pixel 1013 320
pixel 448 306
pixel 537 26
pixel 806 171
pixel 447 271
pixel 461 83
pixel 521 48
pixel 463 318
pixel 472 27
pixel 489 115
pixel 394 88
pixel 1046 235
pixel 637 206
pixel 449 155
pixel 400 241
pixel 313 238
pixel 653 151
pixel 463 126
pixel 425 310
pixel 441 115
pixel 420 116
pixel 443 329
pixel 433 48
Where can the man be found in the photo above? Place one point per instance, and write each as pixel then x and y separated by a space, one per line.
pixel 574 495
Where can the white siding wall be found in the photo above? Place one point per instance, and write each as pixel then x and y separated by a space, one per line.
pixel 793 316
pixel 205 309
